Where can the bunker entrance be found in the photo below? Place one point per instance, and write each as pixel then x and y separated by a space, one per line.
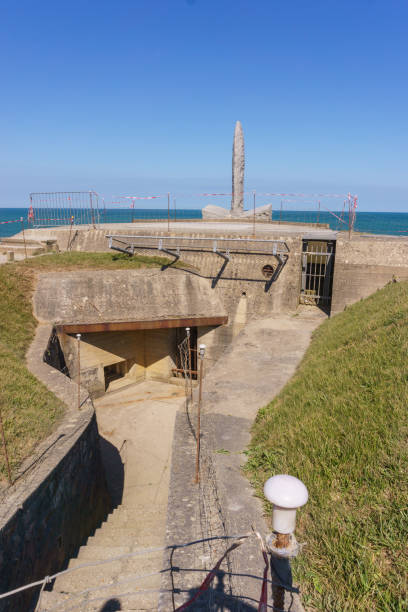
pixel 317 273
pixel 114 355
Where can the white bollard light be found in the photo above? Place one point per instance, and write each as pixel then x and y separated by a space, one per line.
pixel 202 348
pixel 287 494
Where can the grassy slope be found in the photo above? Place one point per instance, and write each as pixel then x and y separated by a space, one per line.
pixel 30 411
pixel 341 426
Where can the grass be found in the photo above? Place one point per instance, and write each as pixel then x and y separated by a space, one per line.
pixel 75 260
pixel 28 409
pixel 341 426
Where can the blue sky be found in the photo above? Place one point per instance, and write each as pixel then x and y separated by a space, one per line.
pixel 142 96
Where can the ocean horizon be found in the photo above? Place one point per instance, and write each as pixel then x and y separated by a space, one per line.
pixel 389 223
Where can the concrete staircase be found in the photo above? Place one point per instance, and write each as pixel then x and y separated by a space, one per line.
pixel 136 425
pixel 115 585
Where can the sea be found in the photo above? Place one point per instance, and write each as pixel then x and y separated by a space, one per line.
pixel 391 223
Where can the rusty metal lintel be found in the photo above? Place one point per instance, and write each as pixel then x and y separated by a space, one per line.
pixel 74 328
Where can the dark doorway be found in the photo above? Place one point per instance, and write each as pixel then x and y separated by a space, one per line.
pixel 114 371
pixel 317 273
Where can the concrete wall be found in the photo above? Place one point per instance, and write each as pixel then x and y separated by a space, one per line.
pixel 65 504
pixel 61 498
pixel 242 275
pixel 97 296
pixel 364 265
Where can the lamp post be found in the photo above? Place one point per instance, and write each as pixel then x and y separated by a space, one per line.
pixel 287 494
pixel 201 353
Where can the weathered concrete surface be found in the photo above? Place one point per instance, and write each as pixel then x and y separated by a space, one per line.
pixel 138 355
pixel 366 264
pixel 137 421
pixel 123 295
pixel 207 286
pixel 238 169
pixel 61 494
pixel 215 212
pixel 253 370
pixel 89 239
pixel 262 213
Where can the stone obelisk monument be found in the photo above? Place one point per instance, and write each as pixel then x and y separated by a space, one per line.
pixel 262 213
pixel 238 167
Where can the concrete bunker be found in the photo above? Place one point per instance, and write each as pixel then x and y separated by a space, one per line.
pixel 131 323
pixel 138 351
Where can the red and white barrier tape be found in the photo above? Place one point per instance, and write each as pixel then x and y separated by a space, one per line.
pixel 39 219
pixel 153 197
pixel 305 195
pixel 14 221
pixel 268 194
pixel 334 215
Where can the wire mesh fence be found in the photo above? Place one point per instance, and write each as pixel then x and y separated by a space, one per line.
pixel 64 208
pixel 88 208
pixel 335 211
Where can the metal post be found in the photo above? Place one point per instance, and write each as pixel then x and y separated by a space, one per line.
pixel 78 336
pixel 189 362
pixel 92 211
pixel 282 541
pixel 318 213
pixel 175 210
pixel 168 213
pixel 25 246
pixel 5 449
pixel 254 212
pixel 349 214
pixel 70 232
pixel 200 391
pixel 354 212
pixel 280 213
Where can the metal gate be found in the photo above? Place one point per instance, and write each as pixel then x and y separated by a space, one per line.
pixel 317 272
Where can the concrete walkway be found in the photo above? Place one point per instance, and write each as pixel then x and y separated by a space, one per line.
pixel 260 361
pixel 136 426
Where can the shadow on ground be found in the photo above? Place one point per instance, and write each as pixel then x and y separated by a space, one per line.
pixel 217 599
pixel 114 470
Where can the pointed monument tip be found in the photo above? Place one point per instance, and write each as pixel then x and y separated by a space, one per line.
pixel 238 128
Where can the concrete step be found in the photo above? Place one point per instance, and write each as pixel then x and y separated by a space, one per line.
pixel 120 521
pixel 105 599
pixel 100 575
pixel 52 600
pixel 20 241
pixel 120 539
pixel 97 553
pixel 20 249
pixel 123 597
pixel 87 577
